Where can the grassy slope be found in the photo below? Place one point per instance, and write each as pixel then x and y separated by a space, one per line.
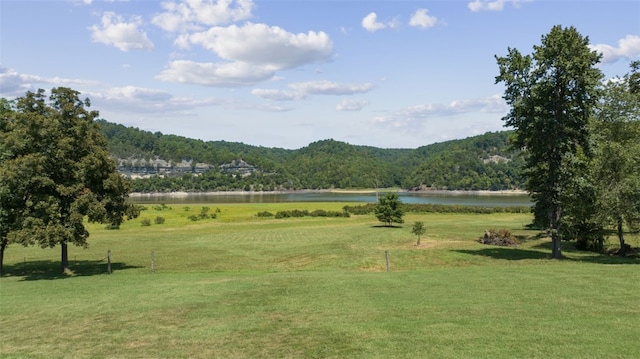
pixel 239 286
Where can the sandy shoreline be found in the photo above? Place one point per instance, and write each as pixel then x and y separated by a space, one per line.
pixel 181 194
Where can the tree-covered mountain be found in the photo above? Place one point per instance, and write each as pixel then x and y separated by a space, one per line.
pixel 171 163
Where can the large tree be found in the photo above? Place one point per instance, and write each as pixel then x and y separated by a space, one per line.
pixel 57 172
pixel 617 162
pixel 389 209
pixel 552 94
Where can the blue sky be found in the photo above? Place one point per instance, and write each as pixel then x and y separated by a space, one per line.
pixel 390 74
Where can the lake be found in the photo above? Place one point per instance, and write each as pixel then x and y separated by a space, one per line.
pixel 449 198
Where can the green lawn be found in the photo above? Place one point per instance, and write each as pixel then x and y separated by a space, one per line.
pixel 239 286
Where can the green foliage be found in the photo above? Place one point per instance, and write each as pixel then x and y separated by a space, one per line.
pixel 146 222
pixel 264 214
pixel 56 170
pixel 159 220
pixel 418 229
pixel 389 209
pixel 483 162
pixel 552 94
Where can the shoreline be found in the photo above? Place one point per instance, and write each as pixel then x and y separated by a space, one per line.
pixel 183 194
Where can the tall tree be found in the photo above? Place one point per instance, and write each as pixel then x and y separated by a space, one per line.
pixel 389 209
pixel 552 94
pixel 617 164
pixel 57 150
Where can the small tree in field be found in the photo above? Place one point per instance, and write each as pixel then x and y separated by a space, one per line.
pixel 418 229
pixel 389 209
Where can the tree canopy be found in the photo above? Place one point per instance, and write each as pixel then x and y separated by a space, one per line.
pixel 389 209
pixel 553 94
pixel 55 171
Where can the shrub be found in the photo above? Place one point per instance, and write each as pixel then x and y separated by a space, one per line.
pixel 264 214
pixel 502 237
pixel 159 220
pixel 146 222
pixel 111 227
pixel 193 217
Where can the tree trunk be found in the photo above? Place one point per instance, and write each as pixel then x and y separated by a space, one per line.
pixel 556 239
pixel 64 260
pixel 3 245
pixel 623 247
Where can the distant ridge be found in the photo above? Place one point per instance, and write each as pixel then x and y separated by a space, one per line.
pixel 175 163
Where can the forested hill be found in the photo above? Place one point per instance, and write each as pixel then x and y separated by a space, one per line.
pixel 161 162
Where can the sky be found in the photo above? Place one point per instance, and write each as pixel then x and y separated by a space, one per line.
pixel 285 73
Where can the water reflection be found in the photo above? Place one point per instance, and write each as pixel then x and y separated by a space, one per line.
pixel 454 198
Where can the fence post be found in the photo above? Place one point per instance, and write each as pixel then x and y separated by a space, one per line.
pixel 386 256
pixel 109 261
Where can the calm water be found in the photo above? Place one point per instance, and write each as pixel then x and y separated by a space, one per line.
pixel 467 199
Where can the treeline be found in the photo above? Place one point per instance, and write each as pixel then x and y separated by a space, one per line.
pixel 484 162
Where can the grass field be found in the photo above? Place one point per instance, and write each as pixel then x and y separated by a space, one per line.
pixel 240 286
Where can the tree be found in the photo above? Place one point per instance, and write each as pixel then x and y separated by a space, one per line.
pixel 552 94
pixel 617 162
pixel 389 209
pixel 418 229
pixel 58 172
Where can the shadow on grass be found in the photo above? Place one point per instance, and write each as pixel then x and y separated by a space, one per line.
pixel 510 253
pixel 385 226
pixel 47 270
pixel 507 253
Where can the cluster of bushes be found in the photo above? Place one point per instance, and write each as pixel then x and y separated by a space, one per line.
pixel 204 214
pixel 438 208
pixel 146 222
pixel 304 213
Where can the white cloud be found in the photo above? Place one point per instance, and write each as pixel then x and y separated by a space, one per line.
pixel 628 48
pixel 190 15
pixel 278 95
pixel 422 19
pixel 495 5
pixel 115 31
pixel 371 23
pixel 262 44
pixel 233 74
pixel 255 52
pixel 302 90
pixel 411 116
pixel 331 88
pixel 351 105
pixel 14 84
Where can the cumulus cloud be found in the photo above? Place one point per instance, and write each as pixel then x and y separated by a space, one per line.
pixel 115 31
pixel 13 84
pixel 254 53
pixel 191 15
pixel 331 88
pixel 628 48
pixel 302 90
pixel 492 5
pixel 235 74
pixel 351 105
pixel 421 18
pixel 411 115
pixel 262 44
pixel 371 23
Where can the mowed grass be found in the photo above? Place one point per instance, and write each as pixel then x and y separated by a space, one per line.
pixel 239 286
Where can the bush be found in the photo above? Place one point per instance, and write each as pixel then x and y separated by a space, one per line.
pixel 502 237
pixel 159 220
pixel 193 217
pixel 264 214
pixel 111 227
pixel 146 222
